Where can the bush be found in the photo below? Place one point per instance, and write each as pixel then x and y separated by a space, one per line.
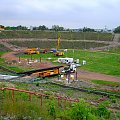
pixel 113 99
pixel 118 115
pixel 37 84
pixel 51 109
pixel 81 111
pixel 102 111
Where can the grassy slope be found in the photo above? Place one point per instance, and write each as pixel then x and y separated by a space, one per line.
pixel 3 48
pixel 71 44
pixel 98 62
pixel 103 63
pixel 54 35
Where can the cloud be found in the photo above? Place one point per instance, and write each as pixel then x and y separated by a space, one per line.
pixel 73 13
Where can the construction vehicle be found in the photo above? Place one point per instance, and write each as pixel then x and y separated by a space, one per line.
pixel 32 51
pixel 44 50
pixel 45 72
pixel 58 52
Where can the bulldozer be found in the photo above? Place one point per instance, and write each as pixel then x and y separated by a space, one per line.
pixel 58 52
pixel 31 51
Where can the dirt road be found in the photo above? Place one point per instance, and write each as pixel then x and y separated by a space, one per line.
pixel 87 75
pixel 11 57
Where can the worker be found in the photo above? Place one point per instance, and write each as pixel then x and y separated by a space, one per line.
pixel 84 62
pixel 72 67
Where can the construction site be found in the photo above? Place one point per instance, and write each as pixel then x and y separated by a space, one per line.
pixel 54 72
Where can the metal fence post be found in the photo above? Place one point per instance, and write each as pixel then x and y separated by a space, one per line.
pixel 13 95
pixel 41 100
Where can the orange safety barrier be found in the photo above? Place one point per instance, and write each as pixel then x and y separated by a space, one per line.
pixel 59 98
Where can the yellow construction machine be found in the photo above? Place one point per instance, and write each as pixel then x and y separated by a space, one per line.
pixel 58 52
pixel 31 51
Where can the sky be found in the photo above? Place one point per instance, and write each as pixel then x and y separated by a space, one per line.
pixel 67 13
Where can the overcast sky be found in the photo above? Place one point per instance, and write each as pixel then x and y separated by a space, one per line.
pixel 66 13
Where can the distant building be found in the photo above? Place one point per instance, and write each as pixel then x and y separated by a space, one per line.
pixel 31 28
pixel 98 30
pixel 76 30
pixel 104 30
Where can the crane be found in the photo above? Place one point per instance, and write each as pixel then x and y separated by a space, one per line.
pixel 58 52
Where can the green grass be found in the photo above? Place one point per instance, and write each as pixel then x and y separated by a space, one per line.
pixel 1 59
pixel 96 61
pixel 109 83
pixel 117 50
pixel 22 107
pixel 16 69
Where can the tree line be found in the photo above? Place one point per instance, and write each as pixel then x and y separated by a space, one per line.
pixel 43 27
pixel 54 28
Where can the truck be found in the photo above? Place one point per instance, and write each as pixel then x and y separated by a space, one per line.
pixel 65 60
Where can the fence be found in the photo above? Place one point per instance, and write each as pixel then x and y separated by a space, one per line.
pixel 41 95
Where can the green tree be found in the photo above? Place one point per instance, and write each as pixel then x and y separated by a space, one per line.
pixel 1 26
pixel 85 29
pixel 20 27
pixel 42 27
pixel 117 30
pixel 57 28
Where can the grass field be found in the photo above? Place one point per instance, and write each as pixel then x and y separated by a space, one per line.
pixel 97 62
pixel 108 83
pixel 117 50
